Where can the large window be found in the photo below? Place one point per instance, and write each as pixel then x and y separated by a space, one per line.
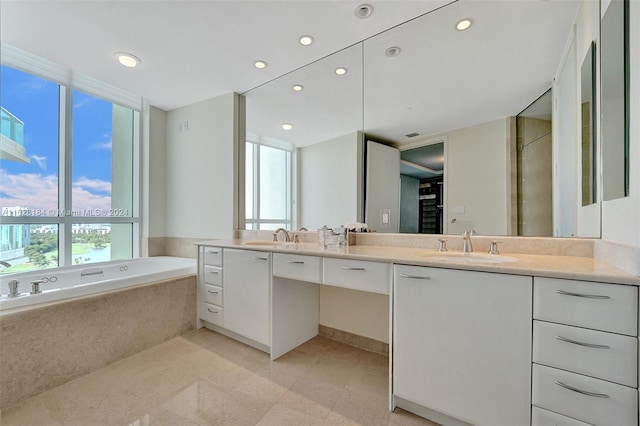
pixel 68 172
pixel 268 179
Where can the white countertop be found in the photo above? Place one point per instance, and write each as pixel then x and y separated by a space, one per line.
pixel 569 267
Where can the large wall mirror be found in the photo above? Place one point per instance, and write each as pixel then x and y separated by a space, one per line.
pixel 422 83
pixel 614 39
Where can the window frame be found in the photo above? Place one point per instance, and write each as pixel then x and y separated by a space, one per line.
pixel 257 141
pixel 68 81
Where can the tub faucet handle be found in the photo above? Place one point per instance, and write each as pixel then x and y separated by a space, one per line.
pixel 13 288
pixel 35 286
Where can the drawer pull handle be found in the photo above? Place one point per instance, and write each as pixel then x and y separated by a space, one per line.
pixel 415 277
pixel 261 258
pixel 588 345
pixel 297 262
pixel 214 272
pixel 583 392
pixel 213 312
pixel 353 268
pixel 213 292
pixel 213 251
pixel 586 296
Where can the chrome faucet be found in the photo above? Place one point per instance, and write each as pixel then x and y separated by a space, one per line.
pixel 5 264
pixel 467 247
pixel 287 238
pixel 13 288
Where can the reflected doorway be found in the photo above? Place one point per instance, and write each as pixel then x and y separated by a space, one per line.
pixel 422 189
pixel 535 168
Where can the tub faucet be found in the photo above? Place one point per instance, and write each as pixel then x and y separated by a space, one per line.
pixel 5 264
pixel 287 238
pixel 467 247
pixel 13 288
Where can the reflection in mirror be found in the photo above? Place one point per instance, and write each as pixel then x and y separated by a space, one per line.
pixel 588 129
pixel 614 100
pixel 418 82
pixel 325 112
pixel 421 189
pixel 535 170
pixel 466 87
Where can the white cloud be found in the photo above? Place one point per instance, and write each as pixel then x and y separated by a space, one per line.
pixel 92 184
pixel 103 145
pixel 42 161
pixel 40 192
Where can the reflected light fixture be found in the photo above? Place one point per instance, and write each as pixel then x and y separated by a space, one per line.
pixel 464 24
pixel 127 59
pixel 297 87
pixel 341 71
pixel 306 40
pixel 287 126
pixel 260 64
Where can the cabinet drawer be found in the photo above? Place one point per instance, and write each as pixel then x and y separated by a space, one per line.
pixel 212 256
pixel 584 398
pixel 213 294
pixel 606 307
pixel 213 314
pixel 304 268
pixel 359 275
pixel 540 417
pixel 213 275
pixel 606 356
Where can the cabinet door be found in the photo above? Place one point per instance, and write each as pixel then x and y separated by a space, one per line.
pixel 462 343
pixel 247 294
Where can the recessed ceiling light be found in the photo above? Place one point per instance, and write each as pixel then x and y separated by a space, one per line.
pixel 260 64
pixel 464 24
pixel 393 51
pixel 364 11
pixel 297 87
pixel 287 126
pixel 306 40
pixel 127 59
pixel 341 71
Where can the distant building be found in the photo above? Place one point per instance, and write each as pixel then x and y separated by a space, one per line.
pixel 12 138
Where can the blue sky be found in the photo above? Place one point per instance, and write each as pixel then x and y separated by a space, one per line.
pixel 35 102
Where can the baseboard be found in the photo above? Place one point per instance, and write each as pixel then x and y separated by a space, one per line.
pixel 361 342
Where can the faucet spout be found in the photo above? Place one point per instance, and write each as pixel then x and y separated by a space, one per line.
pixel 287 238
pixel 467 247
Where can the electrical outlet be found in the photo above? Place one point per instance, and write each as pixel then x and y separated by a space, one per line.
pixel 385 218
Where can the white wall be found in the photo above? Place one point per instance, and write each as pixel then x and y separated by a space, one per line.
pixel 154 147
pixel 476 178
pixel 621 217
pixel 200 179
pixel 330 176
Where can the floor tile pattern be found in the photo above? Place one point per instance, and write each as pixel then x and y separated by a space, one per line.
pixel 204 378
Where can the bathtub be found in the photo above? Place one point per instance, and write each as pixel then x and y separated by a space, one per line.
pixel 82 280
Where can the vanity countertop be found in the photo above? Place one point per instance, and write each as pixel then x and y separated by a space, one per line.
pixel 569 267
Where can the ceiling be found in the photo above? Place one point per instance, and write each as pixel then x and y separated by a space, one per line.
pixel 193 50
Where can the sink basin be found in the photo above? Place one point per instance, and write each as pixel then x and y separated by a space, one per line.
pixel 266 243
pixel 472 258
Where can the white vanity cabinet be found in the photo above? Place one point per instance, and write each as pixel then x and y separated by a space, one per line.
pixel 210 290
pixel 585 352
pixel 247 294
pixel 462 344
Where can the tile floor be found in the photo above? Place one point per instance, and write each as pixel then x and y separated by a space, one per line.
pixel 204 378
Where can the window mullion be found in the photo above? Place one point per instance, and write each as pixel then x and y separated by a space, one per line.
pixel 65 179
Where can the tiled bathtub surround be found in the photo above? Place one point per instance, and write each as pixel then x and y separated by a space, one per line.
pixel 44 347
